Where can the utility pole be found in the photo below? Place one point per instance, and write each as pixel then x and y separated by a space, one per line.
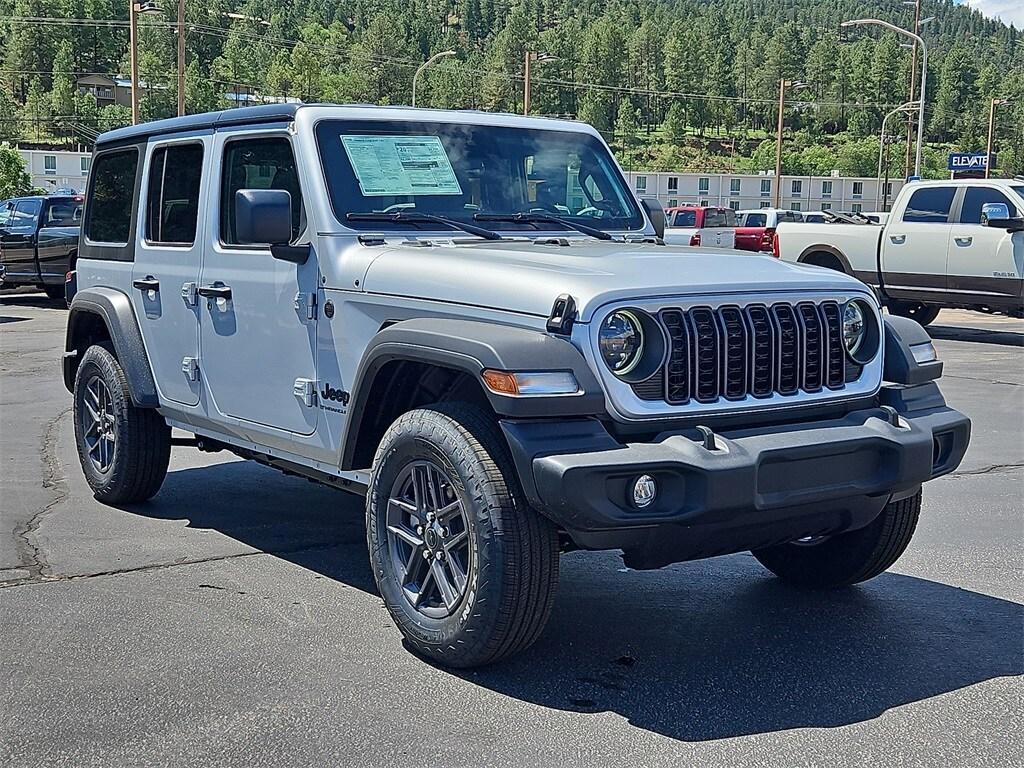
pixel 531 58
pixel 181 57
pixel 133 41
pixel 783 85
pixel 991 132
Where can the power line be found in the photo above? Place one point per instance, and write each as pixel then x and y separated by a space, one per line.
pixel 402 62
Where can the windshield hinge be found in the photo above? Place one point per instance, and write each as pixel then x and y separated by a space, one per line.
pixel 563 313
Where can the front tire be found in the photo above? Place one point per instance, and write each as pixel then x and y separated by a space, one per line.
pixel 847 558
pixel 124 450
pixel 466 569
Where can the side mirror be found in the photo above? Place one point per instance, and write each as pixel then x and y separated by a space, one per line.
pixel 264 217
pixel 990 211
pixel 656 213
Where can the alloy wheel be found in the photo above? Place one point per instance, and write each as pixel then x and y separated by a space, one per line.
pixel 98 422
pixel 428 539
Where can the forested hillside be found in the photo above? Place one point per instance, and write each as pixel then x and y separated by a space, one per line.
pixel 674 83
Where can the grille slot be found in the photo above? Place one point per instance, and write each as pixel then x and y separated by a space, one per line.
pixel 732 352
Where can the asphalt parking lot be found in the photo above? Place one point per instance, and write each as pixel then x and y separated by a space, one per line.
pixel 233 620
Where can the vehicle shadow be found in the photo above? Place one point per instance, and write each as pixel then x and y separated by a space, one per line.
pixel 39 300
pixel 976 335
pixel 697 651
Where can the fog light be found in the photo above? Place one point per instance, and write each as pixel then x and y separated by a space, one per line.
pixel 645 489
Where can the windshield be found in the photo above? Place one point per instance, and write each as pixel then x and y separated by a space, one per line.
pixel 460 171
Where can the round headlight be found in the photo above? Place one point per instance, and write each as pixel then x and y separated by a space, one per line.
pixel 854 329
pixel 621 340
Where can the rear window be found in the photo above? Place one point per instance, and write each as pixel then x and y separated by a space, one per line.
pixel 930 205
pixel 109 218
pixel 754 220
pixel 720 217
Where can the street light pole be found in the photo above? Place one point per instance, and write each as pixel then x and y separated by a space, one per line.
pixel 423 66
pixel 181 57
pixel 909 106
pixel 783 85
pixel 913 82
pixel 924 75
pixel 991 132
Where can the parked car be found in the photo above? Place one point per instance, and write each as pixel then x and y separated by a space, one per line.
pixel 708 226
pixel 953 243
pixel 755 228
pixel 502 384
pixel 39 241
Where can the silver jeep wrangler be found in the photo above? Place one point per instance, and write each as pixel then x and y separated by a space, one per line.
pixel 471 320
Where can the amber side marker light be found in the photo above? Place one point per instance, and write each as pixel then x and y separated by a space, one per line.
pixel 526 384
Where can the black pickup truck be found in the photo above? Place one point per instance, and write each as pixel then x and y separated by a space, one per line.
pixel 39 241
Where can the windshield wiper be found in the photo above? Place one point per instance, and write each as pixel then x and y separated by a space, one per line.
pixel 407 217
pixel 536 218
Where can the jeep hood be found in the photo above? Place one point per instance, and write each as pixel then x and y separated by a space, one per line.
pixel 526 277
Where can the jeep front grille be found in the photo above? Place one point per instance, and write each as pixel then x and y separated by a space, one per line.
pixel 734 352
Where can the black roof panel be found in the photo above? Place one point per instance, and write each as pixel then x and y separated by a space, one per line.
pixel 266 113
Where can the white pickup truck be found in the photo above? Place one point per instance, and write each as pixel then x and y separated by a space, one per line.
pixel 956 243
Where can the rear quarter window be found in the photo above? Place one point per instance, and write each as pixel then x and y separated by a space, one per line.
pixel 109 211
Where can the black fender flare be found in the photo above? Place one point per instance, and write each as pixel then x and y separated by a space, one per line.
pixel 831 251
pixel 899 365
pixel 471 346
pixel 114 308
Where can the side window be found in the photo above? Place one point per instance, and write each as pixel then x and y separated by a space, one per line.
pixel 266 163
pixel 64 213
pixel 6 209
pixel 172 200
pixel 975 197
pixel 929 205
pixel 109 215
pixel 25 215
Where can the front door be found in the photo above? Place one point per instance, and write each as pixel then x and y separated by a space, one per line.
pixel 18 240
pixel 257 313
pixel 914 248
pixel 985 263
pixel 165 274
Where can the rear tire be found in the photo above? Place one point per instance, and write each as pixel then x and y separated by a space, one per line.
pixel 54 291
pixel 924 314
pixel 847 558
pixel 472 529
pixel 124 450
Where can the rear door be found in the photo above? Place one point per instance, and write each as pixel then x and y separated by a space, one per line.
pixel 18 240
pixel 914 247
pixel 984 263
pixel 750 230
pixel 165 274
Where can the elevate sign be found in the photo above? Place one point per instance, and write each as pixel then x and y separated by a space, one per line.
pixel 968 161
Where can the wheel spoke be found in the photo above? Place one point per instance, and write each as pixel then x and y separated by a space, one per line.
pixel 449 511
pixel 454 540
pixel 398 508
pixel 444 585
pixel 406 535
pixel 91 412
pixel 425 586
pixel 458 575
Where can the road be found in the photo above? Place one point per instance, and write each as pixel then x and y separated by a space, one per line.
pixel 233 620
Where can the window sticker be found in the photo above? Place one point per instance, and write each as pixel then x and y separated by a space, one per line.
pixel 401 165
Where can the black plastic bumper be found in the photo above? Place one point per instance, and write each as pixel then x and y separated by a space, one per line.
pixel 754 488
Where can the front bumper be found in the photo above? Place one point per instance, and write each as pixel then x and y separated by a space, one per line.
pixel 754 488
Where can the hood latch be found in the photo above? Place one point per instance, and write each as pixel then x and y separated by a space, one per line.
pixel 563 313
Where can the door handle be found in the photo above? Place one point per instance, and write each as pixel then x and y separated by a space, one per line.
pixel 149 283
pixel 963 240
pixel 215 291
pixel 898 239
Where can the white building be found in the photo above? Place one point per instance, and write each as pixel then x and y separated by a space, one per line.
pixel 745 191
pixel 53 169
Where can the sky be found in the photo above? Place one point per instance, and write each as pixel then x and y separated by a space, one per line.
pixel 1007 11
